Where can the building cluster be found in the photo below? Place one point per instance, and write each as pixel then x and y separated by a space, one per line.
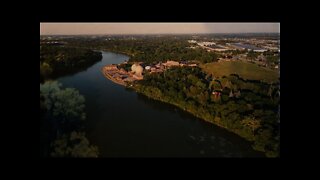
pixel 122 76
pixel 52 43
pixel 226 47
pixel 211 46
pixel 160 67
pixel 250 47
pixel 256 45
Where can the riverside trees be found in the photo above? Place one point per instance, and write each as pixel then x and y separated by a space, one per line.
pixel 251 114
pixel 60 60
pixel 61 123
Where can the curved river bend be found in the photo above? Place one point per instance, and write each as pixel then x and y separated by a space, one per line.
pixel 123 123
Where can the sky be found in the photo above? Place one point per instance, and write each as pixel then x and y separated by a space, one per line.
pixel 155 28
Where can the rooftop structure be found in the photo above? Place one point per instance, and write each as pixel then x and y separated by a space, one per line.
pixel 248 46
pixel 192 41
pixel 137 69
pixel 171 63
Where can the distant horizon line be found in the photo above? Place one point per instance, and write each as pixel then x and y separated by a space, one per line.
pixel 159 34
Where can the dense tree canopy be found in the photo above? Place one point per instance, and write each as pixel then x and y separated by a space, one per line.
pixel 74 144
pixel 66 106
pixel 60 60
pixel 150 49
pixel 62 113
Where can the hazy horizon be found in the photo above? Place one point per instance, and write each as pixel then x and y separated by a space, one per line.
pixel 155 28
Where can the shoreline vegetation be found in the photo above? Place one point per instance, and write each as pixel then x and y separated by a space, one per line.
pixel 252 131
pixel 61 123
pixel 58 60
pixel 62 109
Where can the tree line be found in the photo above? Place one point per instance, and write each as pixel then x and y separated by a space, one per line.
pixel 149 50
pixel 56 61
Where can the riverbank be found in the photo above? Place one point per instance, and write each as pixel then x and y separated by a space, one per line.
pixel 118 52
pixel 198 115
pixel 58 61
pixel 204 116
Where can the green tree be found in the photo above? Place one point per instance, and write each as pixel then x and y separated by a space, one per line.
pixel 74 144
pixel 69 104
pixel 252 123
pixel 252 55
pixel 45 69
pixel 215 85
pixel 64 106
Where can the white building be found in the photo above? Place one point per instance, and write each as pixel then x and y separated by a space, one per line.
pixel 148 67
pixel 192 41
pixel 137 69
pixel 206 43
pixel 259 50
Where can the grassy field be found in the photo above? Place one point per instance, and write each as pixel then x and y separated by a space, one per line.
pixel 243 69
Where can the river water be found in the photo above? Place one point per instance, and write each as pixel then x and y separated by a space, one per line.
pixel 123 123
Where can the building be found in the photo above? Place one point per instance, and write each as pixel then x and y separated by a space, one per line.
pixel 171 63
pixel 247 46
pixel 123 71
pixel 260 50
pixel 147 67
pixel 137 69
pixel 231 94
pixel 137 77
pixel 160 66
pixel 128 79
pixel 192 41
pixel 111 67
pixel 206 43
pixel 192 65
pixel 261 58
pixel 219 48
pixel 216 94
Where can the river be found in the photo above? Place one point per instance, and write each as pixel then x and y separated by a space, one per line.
pixel 123 123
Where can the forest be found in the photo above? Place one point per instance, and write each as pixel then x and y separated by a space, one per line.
pixel 149 50
pixel 246 107
pixel 56 61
